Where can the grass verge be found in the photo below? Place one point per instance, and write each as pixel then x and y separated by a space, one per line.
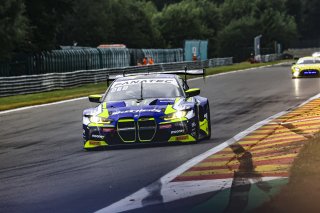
pixel 302 193
pixel 240 66
pixel 17 101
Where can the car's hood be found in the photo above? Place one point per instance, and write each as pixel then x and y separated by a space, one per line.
pixel 307 66
pixel 136 108
pixel 153 107
pixel 153 102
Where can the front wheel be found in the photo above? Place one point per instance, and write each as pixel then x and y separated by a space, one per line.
pixel 209 123
pixel 197 126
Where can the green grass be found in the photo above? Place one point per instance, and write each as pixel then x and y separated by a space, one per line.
pixel 17 101
pixel 239 66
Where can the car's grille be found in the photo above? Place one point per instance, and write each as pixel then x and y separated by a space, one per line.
pixel 127 130
pixel 146 129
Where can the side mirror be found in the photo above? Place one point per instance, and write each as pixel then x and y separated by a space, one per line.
pixel 192 92
pixel 95 98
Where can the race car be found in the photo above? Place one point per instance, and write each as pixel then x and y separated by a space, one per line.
pixel 146 109
pixel 306 67
pixel 316 54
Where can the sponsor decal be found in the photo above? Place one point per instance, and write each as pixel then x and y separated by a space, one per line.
pixel 107 129
pixel 136 111
pixel 147 81
pixel 95 143
pixel 97 136
pixel 180 138
pixel 166 126
pixel 165 101
pixel 118 89
pixel 179 125
pixel 177 131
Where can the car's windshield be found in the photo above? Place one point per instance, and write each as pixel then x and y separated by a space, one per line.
pixel 151 88
pixel 308 61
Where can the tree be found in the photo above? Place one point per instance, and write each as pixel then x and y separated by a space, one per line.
pixel 111 21
pixel 248 19
pixel 182 21
pixel 46 18
pixel 277 26
pixel 135 29
pixel 236 39
pixel 274 22
pixel 294 9
pixel 89 24
pixel 13 26
pixel 160 4
pixel 235 9
pixel 310 25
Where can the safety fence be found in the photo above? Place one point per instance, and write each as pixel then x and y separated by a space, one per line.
pixel 301 52
pixel 68 60
pixel 46 82
pixel 270 57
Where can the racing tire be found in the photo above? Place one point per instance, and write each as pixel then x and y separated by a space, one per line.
pixel 197 127
pixel 209 124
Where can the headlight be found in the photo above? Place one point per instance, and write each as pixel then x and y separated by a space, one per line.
pixel 97 119
pixel 296 74
pixel 176 115
pixel 297 69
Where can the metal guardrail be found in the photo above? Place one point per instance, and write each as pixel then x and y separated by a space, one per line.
pixel 46 82
pixel 301 52
pixel 267 58
pixel 270 57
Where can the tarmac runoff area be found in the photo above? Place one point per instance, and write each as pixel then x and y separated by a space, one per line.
pixel 241 173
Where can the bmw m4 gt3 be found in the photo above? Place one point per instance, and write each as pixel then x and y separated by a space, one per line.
pixel 145 109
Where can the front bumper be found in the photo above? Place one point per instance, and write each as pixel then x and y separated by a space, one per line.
pixel 139 132
pixel 306 73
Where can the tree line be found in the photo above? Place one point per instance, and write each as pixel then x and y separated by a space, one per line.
pixel 29 26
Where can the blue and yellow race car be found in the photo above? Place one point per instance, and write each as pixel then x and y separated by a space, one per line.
pixel 306 67
pixel 146 109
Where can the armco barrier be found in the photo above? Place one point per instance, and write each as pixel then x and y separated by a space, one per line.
pixel 46 82
pixel 270 57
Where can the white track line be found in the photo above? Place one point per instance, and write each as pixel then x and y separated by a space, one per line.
pixel 170 190
pixel 134 201
pixel 41 105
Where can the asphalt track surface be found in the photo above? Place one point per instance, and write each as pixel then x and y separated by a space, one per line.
pixel 44 169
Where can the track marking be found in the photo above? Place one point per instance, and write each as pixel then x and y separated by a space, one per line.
pixel 41 105
pixel 172 190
